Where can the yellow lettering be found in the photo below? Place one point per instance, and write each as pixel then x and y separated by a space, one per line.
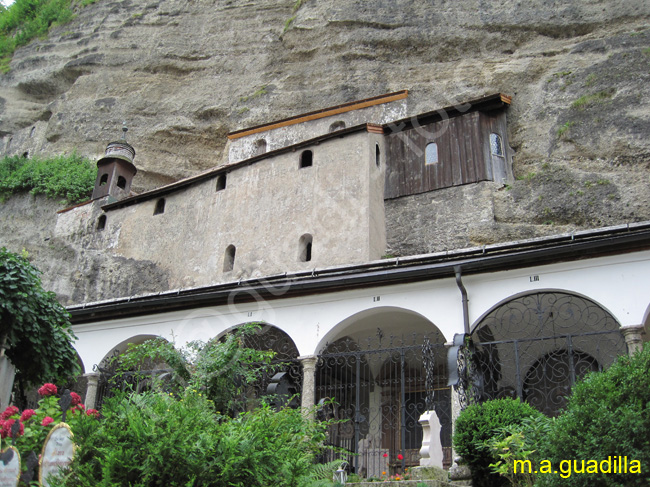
pixel 575 466
pixel 608 463
pixel 592 466
pixel 545 466
pixel 523 463
pixel 565 468
pixel 635 466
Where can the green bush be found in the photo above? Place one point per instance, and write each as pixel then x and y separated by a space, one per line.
pixel 477 425
pixel 158 439
pixel 71 177
pixel 607 416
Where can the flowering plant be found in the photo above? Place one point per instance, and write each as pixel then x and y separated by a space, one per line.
pixel 35 424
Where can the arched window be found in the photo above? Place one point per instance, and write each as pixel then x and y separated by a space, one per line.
pixel 221 182
pixel 25 154
pixel 260 147
pixel 229 258
pixel 304 244
pixel 431 153
pixel 101 222
pixel 339 125
pixel 121 182
pixel 377 155
pixel 160 207
pixel 103 180
pixel 31 132
pixel 306 159
pixel 496 146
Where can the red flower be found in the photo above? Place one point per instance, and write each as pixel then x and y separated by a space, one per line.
pixel 385 455
pixel 400 457
pixel 9 412
pixel 47 390
pixel 93 412
pixel 76 398
pixel 78 407
pixel 27 413
pixel 46 421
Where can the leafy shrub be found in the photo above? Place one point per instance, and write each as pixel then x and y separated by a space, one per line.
pixel 70 177
pixel 158 439
pixel 222 369
pixel 607 415
pixel 477 425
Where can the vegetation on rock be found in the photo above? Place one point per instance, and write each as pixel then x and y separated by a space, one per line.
pixel 25 20
pixel 70 177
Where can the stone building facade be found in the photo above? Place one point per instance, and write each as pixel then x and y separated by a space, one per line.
pixel 295 232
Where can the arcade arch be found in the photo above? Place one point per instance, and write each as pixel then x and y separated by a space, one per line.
pixel 536 345
pixel 383 368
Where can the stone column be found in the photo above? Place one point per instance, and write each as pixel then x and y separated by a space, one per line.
pixel 633 337
pixel 91 389
pixel 308 399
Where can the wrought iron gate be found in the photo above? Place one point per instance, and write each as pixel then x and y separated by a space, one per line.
pixel 380 387
pixel 536 347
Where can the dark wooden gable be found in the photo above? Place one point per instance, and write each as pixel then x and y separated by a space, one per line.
pixel 463 143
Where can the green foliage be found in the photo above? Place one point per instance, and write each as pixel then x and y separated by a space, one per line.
pixel 219 369
pixel 25 20
pixel 158 439
pixel 35 326
pixel 477 425
pixel 515 447
pixel 607 415
pixel 71 177
pixel 586 100
pixel 564 129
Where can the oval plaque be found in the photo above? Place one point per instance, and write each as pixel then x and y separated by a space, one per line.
pixel 57 453
pixel 9 467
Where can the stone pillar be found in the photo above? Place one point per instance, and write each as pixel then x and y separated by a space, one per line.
pixel 7 373
pixel 633 337
pixel 308 399
pixel 91 389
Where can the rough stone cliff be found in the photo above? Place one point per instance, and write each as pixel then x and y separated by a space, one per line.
pixel 183 73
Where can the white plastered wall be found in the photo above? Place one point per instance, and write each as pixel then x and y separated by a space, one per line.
pixel 618 283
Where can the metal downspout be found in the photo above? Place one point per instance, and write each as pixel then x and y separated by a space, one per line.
pixel 463 292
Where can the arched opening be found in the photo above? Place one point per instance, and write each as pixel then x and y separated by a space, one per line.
pixel 306 159
pixel 101 222
pixel 431 153
pixel 383 368
pixel 305 246
pixel 496 145
pixel 103 180
pixel 377 155
pixel 221 182
pixel 121 182
pixel 229 258
pixel 338 125
pixel 281 381
pixel 260 147
pixel 160 207
pixel 140 379
pixel 535 346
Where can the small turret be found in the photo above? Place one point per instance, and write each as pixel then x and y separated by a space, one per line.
pixel 115 171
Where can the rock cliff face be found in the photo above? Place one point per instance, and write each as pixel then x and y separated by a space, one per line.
pixel 182 74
